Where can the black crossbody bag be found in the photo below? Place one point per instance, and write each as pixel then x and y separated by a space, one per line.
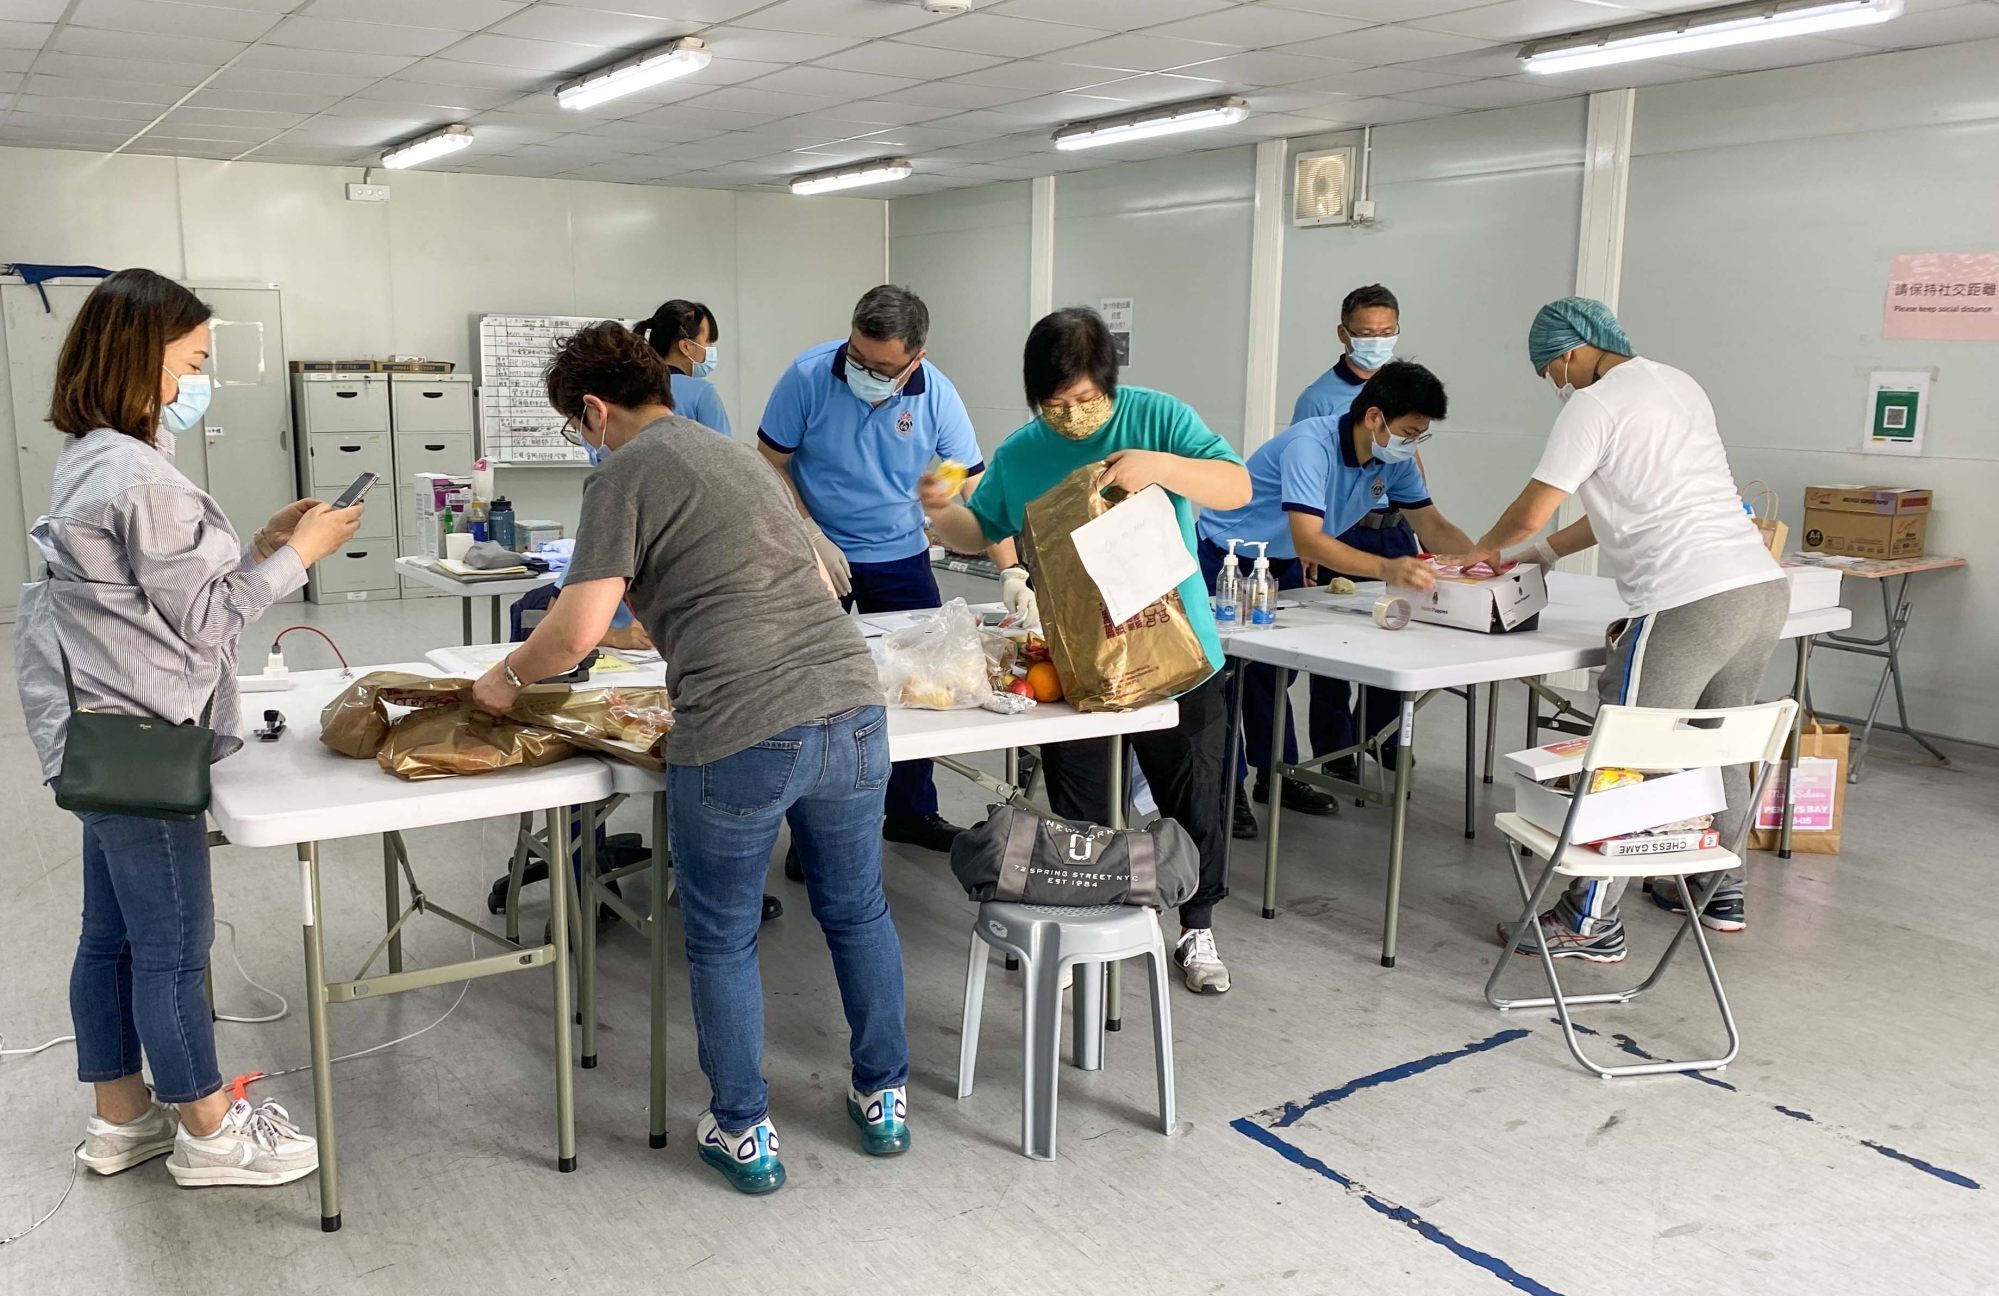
pixel 133 765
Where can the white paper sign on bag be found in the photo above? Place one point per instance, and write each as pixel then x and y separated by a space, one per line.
pixel 1135 553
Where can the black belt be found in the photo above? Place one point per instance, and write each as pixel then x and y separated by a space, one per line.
pixel 1380 520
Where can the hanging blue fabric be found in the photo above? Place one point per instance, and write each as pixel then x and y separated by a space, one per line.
pixel 37 274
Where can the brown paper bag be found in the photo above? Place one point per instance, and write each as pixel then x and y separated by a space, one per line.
pixel 1821 807
pixel 628 723
pixel 445 742
pixel 1152 657
pixel 1775 533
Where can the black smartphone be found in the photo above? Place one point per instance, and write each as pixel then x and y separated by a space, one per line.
pixel 352 495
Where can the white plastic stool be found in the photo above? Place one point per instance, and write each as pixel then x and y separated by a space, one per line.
pixel 1047 940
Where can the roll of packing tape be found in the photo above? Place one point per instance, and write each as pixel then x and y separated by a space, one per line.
pixel 1391 613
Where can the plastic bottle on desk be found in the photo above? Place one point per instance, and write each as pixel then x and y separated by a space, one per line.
pixel 500 519
pixel 1227 602
pixel 1262 600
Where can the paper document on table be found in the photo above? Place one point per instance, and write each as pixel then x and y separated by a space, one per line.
pixel 1135 553
pixel 876 624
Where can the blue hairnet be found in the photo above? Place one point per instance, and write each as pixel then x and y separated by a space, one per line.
pixel 1562 326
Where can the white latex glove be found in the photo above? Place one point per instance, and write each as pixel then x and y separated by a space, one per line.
pixel 1020 602
pixel 1539 552
pixel 836 561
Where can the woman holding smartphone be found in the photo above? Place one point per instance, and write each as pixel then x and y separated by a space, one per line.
pixel 143 589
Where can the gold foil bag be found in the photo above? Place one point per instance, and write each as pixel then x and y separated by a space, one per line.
pixel 1154 656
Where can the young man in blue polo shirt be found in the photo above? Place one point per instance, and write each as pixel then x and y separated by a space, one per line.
pixel 1310 484
pixel 853 426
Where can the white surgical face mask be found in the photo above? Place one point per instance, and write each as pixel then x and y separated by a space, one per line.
pixel 706 365
pixel 184 414
pixel 1371 353
pixel 1566 388
pixel 1398 449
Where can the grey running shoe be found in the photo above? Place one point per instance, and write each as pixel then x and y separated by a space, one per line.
pixel 1198 959
pixel 1606 946
pixel 109 1148
pixel 256 1145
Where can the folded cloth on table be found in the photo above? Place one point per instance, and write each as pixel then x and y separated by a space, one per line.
pixel 485 555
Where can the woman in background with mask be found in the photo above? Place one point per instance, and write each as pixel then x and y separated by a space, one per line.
pixel 143 593
pixel 686 335
pixel 1145 438
pixel 1637 441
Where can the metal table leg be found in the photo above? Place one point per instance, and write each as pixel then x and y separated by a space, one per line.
pixel 657 932
pixel 1471 754
pixel 1795 746
pixel 1533 713
pixel 586 927
pixel 558 923
pixel 1896 610
pixel 1275 779
pixel 1491 726
pixel 322 1060
pixel 496 619
pixel 1114 979
pixel 392 890
pixel 1399 826
pixel 465 618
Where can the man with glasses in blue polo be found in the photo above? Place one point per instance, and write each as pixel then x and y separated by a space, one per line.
pixel 853 426
pixel 1310 484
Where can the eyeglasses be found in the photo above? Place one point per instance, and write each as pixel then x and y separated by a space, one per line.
pixel 855 362
pixel 1373 333
pixel 570 433
pixel 1415 440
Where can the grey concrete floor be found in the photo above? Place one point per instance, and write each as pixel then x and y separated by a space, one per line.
pixel 1435 1146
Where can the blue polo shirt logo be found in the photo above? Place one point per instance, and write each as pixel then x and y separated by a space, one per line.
pixel 903 423
pixel 1378 488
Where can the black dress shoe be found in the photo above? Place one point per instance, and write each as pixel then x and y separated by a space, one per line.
pixel 1245 827
pixel 1305 800
pixel 794 868
pixel 931 831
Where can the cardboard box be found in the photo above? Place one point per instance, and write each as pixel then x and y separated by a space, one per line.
pixel 336 366
pixel 1888 500
pixel 1813 587
pixel 1865 535
pixel 1510 601
pixel 417 366
pixel 1614 813
pixel 425 490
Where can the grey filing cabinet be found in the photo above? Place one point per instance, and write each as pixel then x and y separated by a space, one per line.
pixel 343 431
pixel 432 418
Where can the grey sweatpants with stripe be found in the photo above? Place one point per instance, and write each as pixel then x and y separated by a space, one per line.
pixel 1708 653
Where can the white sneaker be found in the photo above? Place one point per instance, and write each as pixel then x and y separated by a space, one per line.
pixel 109 1148
pixel 1197 957
pixel 255 1145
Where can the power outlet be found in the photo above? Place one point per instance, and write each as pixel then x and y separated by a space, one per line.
pixel 367 193
pixel 1363 211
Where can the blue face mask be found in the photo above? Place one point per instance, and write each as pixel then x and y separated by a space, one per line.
pixel 1398 449
pixel 706 365
pixel 1371 353
pixel 184 414
pixel 872 388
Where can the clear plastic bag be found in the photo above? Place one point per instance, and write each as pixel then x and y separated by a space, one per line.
pixel 938 664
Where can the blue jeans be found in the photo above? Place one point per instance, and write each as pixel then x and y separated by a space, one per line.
pixel 148 920
pixel 904 585
pixel 828 776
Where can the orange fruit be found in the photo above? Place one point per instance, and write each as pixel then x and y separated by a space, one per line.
pixel 1046 683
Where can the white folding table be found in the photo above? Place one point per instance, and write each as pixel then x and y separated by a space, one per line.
pixel 941 736
pixel 298 792
pixel 1417 662
pixel 427 572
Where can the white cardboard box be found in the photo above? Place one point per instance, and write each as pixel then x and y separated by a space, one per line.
pixel 1487 604
pixel 1612 813
pixel 1813 587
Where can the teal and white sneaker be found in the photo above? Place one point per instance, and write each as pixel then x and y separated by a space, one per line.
pixel 883 1117
pixel 747 1158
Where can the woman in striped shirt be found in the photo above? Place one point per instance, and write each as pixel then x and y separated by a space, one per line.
pixel 145 589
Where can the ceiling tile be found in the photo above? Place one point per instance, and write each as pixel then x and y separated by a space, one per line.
pixel 880 112
pixel 832 83
pixel 94 88
pixel 147 45
pixel 1376 10
pixel 840 150
pixel 170 19
pixel 1521 20
pixel 1141 53
pixel 1039 76
pixel 891 58
pixel 1386 112
pixel 513 51
pixel 1492 61
pixel 1492 92
pixel 1623 76
pixel 330 61
pixel 554 22
pixel 418 94
pixel 855 18
pixel 1281 126
pixel 1263 69
pixel 16 60
pixel 456 15
pixel 730 71
pixel 649 133
pixel 707 11
pixel 1961 23
pixel 1772 54
pixel 1110 15
pixel 98 110
pixel 1057 109
pixel 47 11
pixel 754 99
pixel 262 101
pixel 142 71
pixel 1251 27
pixel 774 46
pixel 1302 103
pixel 695 114
pixel 1380 81
pixel 269 122
pixel 1397 44
pixel 953 94
pixel 273 81
pixel 451 72
pixel 981 33
pixel 25 35
pixel 359 38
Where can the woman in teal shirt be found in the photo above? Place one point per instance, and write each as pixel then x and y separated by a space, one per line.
pixel 1145 438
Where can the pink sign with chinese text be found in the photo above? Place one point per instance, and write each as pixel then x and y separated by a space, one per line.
pixel 1817 795
pixel 1947 296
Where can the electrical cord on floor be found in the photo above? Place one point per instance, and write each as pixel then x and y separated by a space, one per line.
pixel 284 1004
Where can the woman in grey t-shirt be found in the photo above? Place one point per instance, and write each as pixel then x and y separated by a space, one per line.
pixel 777 716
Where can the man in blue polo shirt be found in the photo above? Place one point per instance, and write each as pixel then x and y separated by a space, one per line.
pixel 853 426
pixel 1310 484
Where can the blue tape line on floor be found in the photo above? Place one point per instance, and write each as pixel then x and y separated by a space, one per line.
pixel 1292 1113
pixel 1402 1215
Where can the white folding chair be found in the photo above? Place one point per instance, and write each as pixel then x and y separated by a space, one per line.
pixel 1643 738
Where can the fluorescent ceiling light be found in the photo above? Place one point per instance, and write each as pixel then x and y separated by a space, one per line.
pixel 878 171
pixel 1740 24
pixel 428 148
pixel 1150 123
pixel 687 55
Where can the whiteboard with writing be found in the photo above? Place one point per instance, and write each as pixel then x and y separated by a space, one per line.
pixel 517 426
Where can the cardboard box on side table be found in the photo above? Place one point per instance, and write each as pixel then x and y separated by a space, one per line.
pixel 1867 521
pixel 1664 799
